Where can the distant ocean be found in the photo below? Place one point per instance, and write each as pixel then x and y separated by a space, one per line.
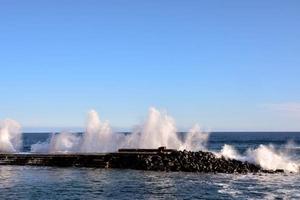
pixel 26 182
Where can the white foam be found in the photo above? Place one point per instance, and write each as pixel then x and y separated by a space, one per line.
pixel 64 143
pixel 40 147
pixel 10 136
pixel 270 158
pixel 264 155
pixel 99 136
pixel 230 152
pixel 157 130
pixel 195 140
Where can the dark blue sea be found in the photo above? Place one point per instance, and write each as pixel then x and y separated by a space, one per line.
pixel 26 182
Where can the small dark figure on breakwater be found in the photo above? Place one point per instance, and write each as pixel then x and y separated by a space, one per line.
pixel 160 159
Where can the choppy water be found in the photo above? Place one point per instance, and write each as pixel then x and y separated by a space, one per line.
pixel 25 182
pixel 19 182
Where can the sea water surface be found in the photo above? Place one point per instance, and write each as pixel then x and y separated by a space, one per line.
pixel 27 182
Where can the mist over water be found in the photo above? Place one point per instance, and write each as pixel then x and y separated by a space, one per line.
pixel 98 136
pixel 264 155
pixel 196 140
pixel 158 129
pixel 10 136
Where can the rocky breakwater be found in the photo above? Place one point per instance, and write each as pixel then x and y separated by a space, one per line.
pixel 186 161
pixel 161 159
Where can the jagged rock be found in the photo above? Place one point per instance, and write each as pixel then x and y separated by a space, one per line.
pixel 187 161
pixel 146 159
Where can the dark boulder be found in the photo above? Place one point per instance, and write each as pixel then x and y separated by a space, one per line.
pixel 186 161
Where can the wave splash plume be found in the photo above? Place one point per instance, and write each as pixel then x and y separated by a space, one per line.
pixel 158 129
pixel 10 136
pixel 265 156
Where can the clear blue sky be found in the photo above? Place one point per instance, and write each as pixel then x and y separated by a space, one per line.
pixel 228 65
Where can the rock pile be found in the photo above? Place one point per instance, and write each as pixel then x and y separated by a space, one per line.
pixel 185 161
pixel 160 159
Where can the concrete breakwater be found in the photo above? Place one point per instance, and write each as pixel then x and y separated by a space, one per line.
pixel 160 159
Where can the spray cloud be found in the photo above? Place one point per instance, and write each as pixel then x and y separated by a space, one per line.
pixel 265 156
pixel 10 136
pixel 158 130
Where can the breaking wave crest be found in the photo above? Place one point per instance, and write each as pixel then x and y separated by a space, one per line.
pixel 266 156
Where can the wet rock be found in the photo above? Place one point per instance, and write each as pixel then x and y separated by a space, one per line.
pixel 162 160
pixel 187 161
pixel 279 171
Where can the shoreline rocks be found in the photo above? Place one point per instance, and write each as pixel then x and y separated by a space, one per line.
pixel 161 159
pixel 185 161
